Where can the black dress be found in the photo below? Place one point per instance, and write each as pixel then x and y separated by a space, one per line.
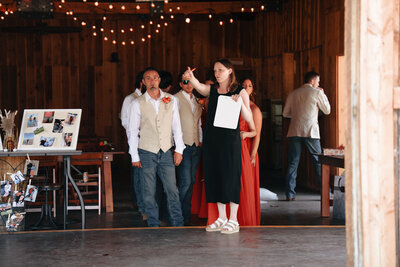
pixel 222 162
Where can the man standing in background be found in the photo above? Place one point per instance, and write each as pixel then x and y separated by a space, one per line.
pixel 302 107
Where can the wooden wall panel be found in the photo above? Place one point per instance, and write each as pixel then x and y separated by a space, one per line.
pixel 74 69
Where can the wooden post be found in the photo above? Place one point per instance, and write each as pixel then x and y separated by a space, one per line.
pixel 370 204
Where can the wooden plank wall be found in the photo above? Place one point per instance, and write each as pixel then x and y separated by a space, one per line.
pixel 73 70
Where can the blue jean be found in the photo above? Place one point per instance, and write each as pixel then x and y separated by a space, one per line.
pixel 161 164
pixel 187 177
pixel 295 147
pixel 137 188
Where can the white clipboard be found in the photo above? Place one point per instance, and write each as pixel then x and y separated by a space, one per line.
pixel 227 112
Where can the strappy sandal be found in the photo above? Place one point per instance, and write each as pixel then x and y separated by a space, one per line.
pixel 216 226
pixel 230 227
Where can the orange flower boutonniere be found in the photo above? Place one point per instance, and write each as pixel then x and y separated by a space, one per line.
pixel 166 99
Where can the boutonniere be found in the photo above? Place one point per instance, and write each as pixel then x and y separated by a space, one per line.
pixel 166 99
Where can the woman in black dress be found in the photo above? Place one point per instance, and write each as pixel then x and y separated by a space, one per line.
pixel 221 146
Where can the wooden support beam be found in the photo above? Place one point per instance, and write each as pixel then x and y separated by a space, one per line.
pixel 370 193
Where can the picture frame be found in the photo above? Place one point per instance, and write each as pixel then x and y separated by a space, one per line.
pixel 49 129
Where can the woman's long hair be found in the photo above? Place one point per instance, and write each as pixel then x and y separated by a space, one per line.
pixel 233 84
pixel 252 96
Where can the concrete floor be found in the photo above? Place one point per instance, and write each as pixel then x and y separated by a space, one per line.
pixel 190 246
pixel 292 234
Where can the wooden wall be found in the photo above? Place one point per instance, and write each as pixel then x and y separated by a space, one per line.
pixel 73 70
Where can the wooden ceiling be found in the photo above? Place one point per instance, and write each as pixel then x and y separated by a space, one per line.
pixel 172 7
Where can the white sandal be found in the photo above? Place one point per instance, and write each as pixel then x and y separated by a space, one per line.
pixel 230 227
pixel 216 226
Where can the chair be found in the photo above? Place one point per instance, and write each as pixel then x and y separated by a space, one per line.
pixel 92 189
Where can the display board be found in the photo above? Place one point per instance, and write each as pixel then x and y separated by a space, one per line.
pixel 49 129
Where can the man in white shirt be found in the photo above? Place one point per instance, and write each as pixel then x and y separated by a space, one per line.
pixel 302 106
pixel 154 121
pixel 125 112
pixel 190 115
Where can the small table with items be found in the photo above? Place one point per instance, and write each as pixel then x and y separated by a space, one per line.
pixel 327 162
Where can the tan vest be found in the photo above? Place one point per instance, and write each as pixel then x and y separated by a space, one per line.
pixel 189 121
pixel 155 129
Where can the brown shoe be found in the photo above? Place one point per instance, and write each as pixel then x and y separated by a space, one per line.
pixel 290 199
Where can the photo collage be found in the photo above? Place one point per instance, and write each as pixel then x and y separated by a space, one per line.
pixel 16 190
pixel 56 129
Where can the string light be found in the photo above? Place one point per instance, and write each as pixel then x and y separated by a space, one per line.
pixel 252 9
pixel 104 18
pixel 110 6
pixel 187 20
pixel 84 1
pixel 157 30
pixel 210 16
pixel 83 23
pixel 149 36
pixel 142 26
pixel 122 31
pixel 158 25
pixel 6 12
pixel 2 17
pixel 161 17
pixel 123 7
pixel 96 3
pixel 132 42
pixel 105 38
pixel 178 8
pixel 75 18
pixel 172 16
pixel 153 5
pixel 166 1
pixel 170 10
pixel 221 23
pixel 94 27
pixel 112 31
pixel 231 20
pixel 123 43
pixel 165 24
pixel 114 42
pixel 59 6
pixel 143 40
pixel 63 1
pixel 137 7
pixel 131 29
pixel 242 9
pixel 262 7
pixel 151 22
pixel 102 29
pixel 94 34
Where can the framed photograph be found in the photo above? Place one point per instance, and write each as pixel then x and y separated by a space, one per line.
pixel 31 193
pixel 49 129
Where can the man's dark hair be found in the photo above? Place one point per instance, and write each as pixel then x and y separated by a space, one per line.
pixel 166 79
pixel 139 78
pixel 310 75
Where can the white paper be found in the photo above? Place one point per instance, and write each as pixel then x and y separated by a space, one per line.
pixel 227 113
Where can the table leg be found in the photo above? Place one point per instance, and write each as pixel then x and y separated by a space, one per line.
pixel 108 186
pixel 325 212
pixel 67 163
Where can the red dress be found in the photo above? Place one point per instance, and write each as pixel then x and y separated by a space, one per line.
pixel 249 206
